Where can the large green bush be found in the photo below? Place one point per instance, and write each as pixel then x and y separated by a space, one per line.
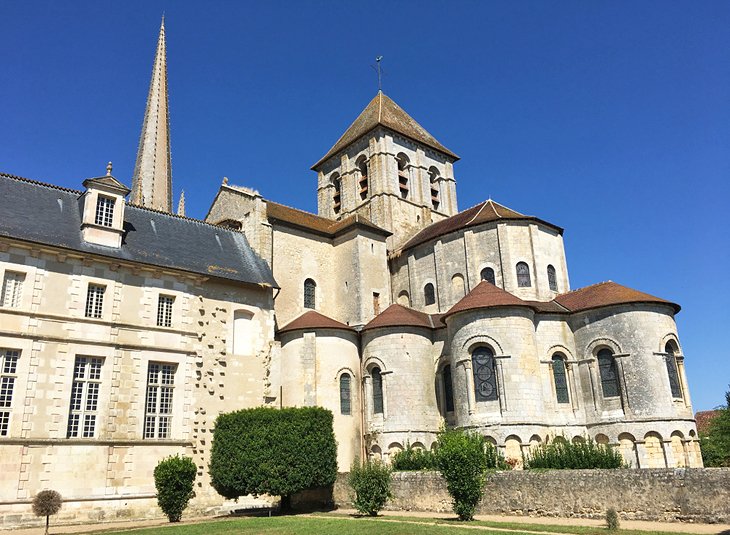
pixel 715 446
pixel 371 483
pixel 411 459
pixel 462 461
pixel 174 478
pixel 273 451
pixel 562 454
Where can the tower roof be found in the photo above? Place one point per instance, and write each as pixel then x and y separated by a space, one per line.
pixel 383 111
pixel 152 179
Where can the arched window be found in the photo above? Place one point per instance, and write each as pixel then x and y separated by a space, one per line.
pixel 487 274
pixel 310 289
pixel 403 162
pixel 429 295
pixel 559 375
pixel 434 175
pixel 448 389
pixel 243 332
pixel 362 166
pixel 523 275
pixel 377 390
pixel 337 195
pixel 404 299
pixel 345 394
pixel 552 278
pixel 609 375
pixel 671 361
pixel 457 286
pixel 485 374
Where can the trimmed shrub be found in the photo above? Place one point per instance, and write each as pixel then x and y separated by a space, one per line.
pixel 562 454
pixel 411 459
pixel 273 451
pixel 371 483
pixel 47 503
pixel 612 521
pixel 461 459
pixel 174 478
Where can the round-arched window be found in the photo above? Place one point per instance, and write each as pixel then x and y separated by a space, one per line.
pixel 485 374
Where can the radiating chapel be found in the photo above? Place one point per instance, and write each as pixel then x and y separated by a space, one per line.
pixel 125 328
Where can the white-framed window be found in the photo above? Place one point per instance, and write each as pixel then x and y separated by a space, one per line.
pixel 94 300
pixel 164 310
pixel 104 211
pixel 84 397
pixel 12 289
pixel 8 375
pixel 158 401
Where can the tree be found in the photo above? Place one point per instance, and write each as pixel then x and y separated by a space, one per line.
pixel 461 458
pixel 716 445
pixel 47 503
pixel 371 483
pixel 174 478
pixel 273 451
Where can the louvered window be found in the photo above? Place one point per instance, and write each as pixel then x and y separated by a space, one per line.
pixel 12 289
pixel 84 397
pixel 485 374
pixel 608 373
pixel 345 394
pixel 8 375
pixel 158 401
pixel 94 301
pixel 560 377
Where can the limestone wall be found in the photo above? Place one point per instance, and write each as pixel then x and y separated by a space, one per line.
pixel 694 495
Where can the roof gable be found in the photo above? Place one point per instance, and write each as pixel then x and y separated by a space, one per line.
pixel 108 182
pixel 383 111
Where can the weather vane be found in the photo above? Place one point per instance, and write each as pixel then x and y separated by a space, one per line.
pixel 379 70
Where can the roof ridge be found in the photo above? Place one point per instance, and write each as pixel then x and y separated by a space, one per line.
pixel 590 286
pixel 331 221
pixel 40 183
pixel 484 203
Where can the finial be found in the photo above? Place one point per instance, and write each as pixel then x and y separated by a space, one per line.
pixel 379 70
pixel 163 20
pixel 181 204
pixel 225 180
pixel 109 169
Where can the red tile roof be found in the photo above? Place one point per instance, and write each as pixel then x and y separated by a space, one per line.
pixel 399 316
pixel 486 295
pixel 483 212
pixel 605 294
pixel 314 223
pixel 314 320
pixel 704 419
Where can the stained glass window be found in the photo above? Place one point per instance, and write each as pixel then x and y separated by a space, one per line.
pixel 485 376
pixel 609 375
pixel 523 275
pixel 561 382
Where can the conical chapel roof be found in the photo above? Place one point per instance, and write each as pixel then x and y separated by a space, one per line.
pixel 383 111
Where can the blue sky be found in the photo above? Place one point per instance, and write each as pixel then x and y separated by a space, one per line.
pixel 610 119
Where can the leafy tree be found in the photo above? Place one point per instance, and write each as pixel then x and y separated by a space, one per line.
pixel 371 482
pixel 716 445
pixel 273 451
pixel 174 478
pixel 47 503
pixel 462 461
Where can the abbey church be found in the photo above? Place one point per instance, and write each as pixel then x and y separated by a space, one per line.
pixel 125 328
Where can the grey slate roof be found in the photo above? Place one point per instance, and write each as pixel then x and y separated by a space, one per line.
pixel 50 215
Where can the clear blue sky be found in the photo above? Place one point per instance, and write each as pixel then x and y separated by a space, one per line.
pixel 610 119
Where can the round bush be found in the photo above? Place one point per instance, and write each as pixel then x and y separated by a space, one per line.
pixel 47 503
pixel 174 478
pixel 371 483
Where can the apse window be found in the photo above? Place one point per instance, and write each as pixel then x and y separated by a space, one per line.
pixel 523 275
pixel 429 294
pixel 377 390
pixel 345 394
pixel 560 379
pixel 552 278
pixel 609 375
pixel 487 274
pixel 485 374
pixel 310 289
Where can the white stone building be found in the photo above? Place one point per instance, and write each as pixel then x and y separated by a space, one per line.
pixel 125 330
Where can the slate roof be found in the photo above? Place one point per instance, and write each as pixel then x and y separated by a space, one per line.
pixel 605 294
pixel 399 316
pixel 50 215
pixel 314 320
pixel 320 225
pixel 484 212
pixel 383 111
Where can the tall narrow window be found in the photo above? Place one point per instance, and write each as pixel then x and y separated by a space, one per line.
pixel 487 274
pixel 362 166
pixel 429 295
pixel 560 377
pixel 485 374
pixel 310 288
pixel 377 390
pixel 337 195
pixel 403 185
pixel 94 301
pixel 12 289
pixel 434 174
pixel 158 402
pixel 164 310
pixel 8 375
pixel 448 389
pixel 104 211
pixel 609 375
pixel 552 278
pixel 523 275
pixel 457 286
pixel 345 394
pixel 671 361
pixel 376 303
pixel 84 397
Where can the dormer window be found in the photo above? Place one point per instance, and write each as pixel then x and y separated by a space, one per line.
pixel 104 211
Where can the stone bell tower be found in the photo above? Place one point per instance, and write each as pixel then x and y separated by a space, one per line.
pixel 389 169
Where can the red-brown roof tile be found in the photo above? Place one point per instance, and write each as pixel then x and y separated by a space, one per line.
pixel 314 320
pixel 399 316
pixel 605 294
pixel 704 419
pixel 483 212
pixel 314 223
pixel 486 295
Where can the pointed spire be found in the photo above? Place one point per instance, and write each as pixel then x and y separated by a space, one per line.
pixel 152 180
pixel 181 204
